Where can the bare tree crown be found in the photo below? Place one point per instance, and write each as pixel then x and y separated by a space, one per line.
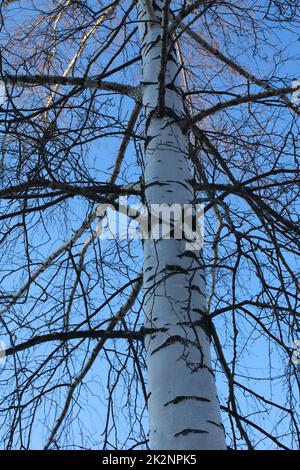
pixel 75 129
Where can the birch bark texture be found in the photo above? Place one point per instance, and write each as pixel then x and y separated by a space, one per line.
pixel 183 406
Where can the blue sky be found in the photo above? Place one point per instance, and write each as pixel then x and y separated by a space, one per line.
pixel 256 355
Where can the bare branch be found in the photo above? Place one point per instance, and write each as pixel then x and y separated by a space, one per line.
pixel 40 80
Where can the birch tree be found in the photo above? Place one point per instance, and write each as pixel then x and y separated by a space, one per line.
pixel 128 343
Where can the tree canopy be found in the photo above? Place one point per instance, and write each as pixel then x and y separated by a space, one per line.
pixel 73 130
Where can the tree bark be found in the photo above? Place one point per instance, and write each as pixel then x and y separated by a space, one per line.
pixel 184 411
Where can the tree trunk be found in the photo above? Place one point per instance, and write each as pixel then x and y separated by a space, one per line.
pixel 183 406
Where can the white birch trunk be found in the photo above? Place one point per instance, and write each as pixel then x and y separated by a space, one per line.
pixel 183 405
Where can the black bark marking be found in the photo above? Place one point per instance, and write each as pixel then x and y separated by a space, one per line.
pixel 188 254
pixel 184 432
pixel 199 310
pixel 194 287
pixel 172 340
pixel 149 45
pixel 156 183
pixel 215 424
pixel 148 83
pixel 181 398
pixel 150 278
pixel 175 268
pixel 204 322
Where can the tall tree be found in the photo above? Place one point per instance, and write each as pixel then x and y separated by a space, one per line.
pixel 149 100
pixel 183 408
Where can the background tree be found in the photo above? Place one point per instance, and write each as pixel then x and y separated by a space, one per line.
pixel 81 124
